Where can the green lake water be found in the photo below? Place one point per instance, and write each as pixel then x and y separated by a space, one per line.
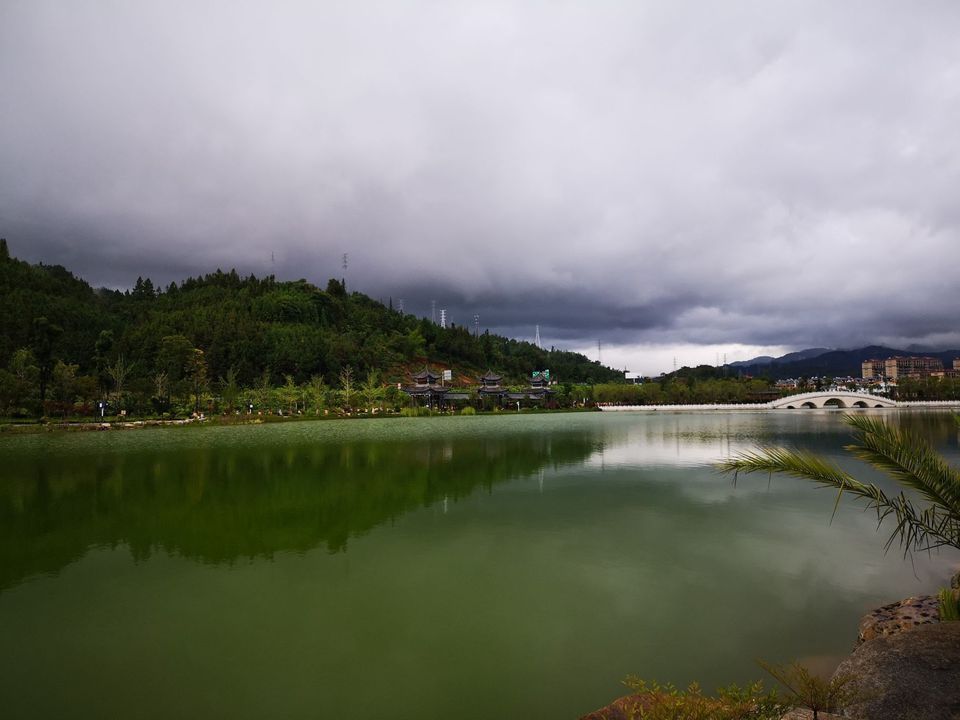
pixel 475 567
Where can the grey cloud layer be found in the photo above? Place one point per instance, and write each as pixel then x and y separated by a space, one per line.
pixel 649 172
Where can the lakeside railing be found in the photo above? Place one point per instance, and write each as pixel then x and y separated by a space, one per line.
pixel 777 404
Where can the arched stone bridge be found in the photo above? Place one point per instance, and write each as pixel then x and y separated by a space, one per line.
pixel 842 399
pixel 838 399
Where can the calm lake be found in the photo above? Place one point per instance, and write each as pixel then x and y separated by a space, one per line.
pixel 475 567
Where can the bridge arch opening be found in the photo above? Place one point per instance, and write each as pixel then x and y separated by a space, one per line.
pixel 878 405
pixel 790 407
pixel 835 402
pixel 861 404
pixel 810 404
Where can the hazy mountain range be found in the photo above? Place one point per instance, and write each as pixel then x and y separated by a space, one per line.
pixel 826 362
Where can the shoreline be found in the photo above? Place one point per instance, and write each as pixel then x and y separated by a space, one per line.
pixel 37 427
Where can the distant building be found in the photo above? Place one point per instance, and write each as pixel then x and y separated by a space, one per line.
pixel 898 367
pixel 901 366
pixel 872 369
pixel 956 363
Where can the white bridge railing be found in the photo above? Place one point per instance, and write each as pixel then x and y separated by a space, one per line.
pixel 843 399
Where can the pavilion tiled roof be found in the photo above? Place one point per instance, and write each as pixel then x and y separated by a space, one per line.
pixel 425 374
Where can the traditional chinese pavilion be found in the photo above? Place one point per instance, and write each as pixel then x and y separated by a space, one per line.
pixel 539 386
pixel 426 388
pixel 490 387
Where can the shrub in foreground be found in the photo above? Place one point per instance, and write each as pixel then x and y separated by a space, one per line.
pixel 653 701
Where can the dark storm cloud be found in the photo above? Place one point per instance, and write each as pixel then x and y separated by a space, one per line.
pixel 642 173
pixel 561 314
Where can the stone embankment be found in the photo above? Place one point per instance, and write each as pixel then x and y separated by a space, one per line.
pixel 906 666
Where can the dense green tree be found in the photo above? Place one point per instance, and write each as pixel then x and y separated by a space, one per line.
pixel 315 394
pixel 118 373
pixel 197 372
pixel 230 390
pixel 22 382
pixel 161 391
pixel 289 394
pixel 45 335
pixel 372 390
pixel 346 386
pixel 102 355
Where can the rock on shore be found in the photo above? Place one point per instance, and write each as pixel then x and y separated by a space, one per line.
pixel 899 616
pixel 911 675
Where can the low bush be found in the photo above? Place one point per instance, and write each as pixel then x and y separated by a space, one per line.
pixel 949 605
pixel 665 702
pixel 807 690
pixel 416 412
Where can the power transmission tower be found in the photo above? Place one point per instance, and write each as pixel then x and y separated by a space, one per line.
pixel 476 326
pixel 433 311
pixel 537 340
pixel 443 318
pixel 599 353
pixel 400 306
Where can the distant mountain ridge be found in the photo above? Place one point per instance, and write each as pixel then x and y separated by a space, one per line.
pixel 833 363
pixel 789 357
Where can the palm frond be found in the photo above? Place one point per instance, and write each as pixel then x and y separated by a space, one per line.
pixel 801 464
pixel 921 469
pixel 908 459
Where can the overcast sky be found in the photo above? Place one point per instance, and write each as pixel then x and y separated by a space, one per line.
pixel 672 179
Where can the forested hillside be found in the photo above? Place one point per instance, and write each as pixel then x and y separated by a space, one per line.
pixel 62 341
